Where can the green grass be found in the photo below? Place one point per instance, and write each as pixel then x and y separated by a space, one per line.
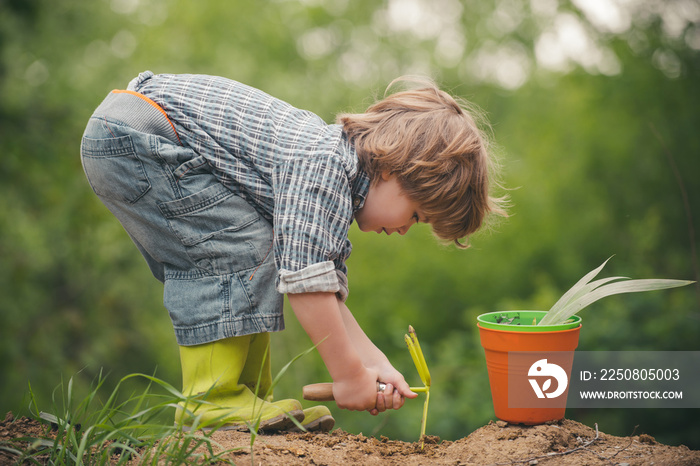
pixel 136 427
pixel 130 426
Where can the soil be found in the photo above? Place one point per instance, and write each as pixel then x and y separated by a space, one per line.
pixel 565 442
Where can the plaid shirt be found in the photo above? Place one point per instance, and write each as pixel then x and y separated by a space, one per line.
pixel 300 173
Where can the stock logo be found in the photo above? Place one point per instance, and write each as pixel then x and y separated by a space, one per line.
pixel 541 369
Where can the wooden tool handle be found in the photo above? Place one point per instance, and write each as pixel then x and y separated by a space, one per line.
pixel 318 392
pixel 324 391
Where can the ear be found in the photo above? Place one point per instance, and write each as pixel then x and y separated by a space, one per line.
pixel 386 175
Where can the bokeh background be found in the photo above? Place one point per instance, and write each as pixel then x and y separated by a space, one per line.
pixel 594 106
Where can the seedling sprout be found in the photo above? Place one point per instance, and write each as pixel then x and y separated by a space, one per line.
pixel 419 360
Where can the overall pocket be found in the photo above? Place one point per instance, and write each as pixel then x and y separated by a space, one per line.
pixel 221 232
pixel 113 169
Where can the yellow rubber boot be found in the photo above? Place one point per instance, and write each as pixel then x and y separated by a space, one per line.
pixel 257 372
pixel 213 370
pixel 257 375
pixel 316 419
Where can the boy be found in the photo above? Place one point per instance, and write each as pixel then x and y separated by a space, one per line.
pixel 235 198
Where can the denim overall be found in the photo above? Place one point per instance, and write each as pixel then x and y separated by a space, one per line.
pixel 210 248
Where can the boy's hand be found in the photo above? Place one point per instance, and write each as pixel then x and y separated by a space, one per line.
pixel 353 393
pixel 388 399
pixel 395 392
pixel 357 392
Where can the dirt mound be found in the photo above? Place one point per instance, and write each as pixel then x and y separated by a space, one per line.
pixel 562 443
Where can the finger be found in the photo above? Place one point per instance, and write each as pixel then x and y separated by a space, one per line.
pixel 389 396
pixel 398 400
pixel 381 402
pixel 402 386
pixel 405 390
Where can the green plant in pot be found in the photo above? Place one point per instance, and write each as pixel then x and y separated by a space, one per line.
pixel 522 345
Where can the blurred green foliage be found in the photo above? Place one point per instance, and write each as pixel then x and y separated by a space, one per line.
pixel 598 137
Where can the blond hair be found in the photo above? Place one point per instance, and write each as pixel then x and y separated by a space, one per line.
pixel 432 143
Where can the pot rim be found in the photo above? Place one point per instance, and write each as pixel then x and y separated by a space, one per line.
pixel 576 323
pixel 575 329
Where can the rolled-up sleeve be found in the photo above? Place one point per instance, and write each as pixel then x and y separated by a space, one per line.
pixel 313 211
pixel 322 277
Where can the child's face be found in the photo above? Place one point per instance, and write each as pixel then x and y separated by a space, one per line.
pixel 387 209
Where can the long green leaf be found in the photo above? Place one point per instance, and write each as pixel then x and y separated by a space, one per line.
pixel 574 289
pixel 629 286
pixel 553 316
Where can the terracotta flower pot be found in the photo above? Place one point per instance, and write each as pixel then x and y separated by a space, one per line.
pixel 528 369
